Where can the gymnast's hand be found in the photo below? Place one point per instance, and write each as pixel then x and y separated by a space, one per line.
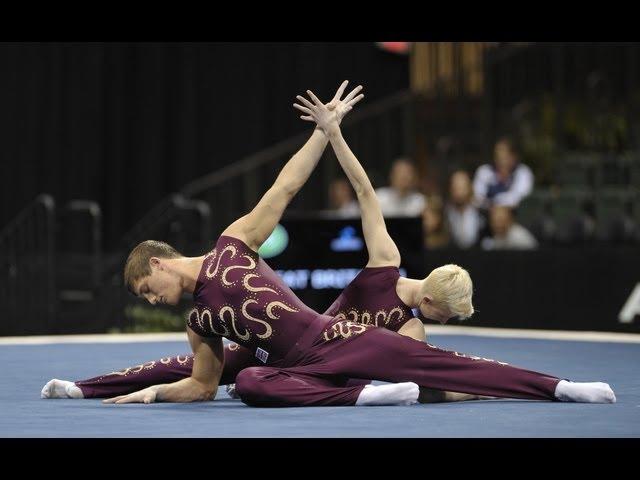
pixel 148 395
pixel 329 116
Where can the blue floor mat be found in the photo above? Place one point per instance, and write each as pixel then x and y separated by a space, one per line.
pixel 27 368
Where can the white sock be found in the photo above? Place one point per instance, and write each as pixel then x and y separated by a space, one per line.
pixel 585 392
pixel 60 389
pixel 393 394
pixel 231 391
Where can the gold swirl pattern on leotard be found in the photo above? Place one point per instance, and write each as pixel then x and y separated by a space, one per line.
pixel 206 316
pixel 209 259
pixel 344 329
pixel 226 330
pixel 251 266
pixel 203 315
pixel 198 320
pixel 380 319
pixel 135 369
pixel 182 359
pixel 390 318
pixel 268 330
pixel 245 282
pixel 242 336
pixel 473 357
pixel 219 265
pixel 274 304
pixel 228 248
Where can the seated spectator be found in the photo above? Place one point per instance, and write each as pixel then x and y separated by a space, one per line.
pixel 463 219
pixel 341 199
pixel 433 225
pixel 506 233
pixel 506 182
pixel 401 198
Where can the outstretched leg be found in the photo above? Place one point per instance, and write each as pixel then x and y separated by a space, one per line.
pixel 132 379
pixel 383 355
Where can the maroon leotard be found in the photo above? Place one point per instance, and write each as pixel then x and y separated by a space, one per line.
pixel 239 297
pixel 371 299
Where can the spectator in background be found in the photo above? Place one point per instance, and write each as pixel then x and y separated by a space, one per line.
pixel 433 224
pixel 401 198
pixel 506 182
pixel 506 233
pixel 463 219
pixel 341 199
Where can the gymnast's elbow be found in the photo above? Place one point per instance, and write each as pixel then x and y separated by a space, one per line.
pixel 364 191
pixel 193 391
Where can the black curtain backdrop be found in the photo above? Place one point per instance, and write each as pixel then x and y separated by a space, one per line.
pixel 126 124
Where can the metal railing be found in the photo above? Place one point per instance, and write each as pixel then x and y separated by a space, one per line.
pixel 183 222
pixel 94 212
pixel 165 220
pixel 27 256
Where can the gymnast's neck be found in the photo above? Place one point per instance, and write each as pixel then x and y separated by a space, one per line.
pixel 187 269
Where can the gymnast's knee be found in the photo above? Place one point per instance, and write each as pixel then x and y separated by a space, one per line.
pixel 250 385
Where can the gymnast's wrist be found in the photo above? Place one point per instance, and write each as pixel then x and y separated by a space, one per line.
pixel 332 131
pixel 159 391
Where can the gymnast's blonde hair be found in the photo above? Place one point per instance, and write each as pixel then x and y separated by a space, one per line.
pixel 450 287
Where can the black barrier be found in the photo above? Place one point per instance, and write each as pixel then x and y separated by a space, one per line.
pixel 582 288
pixel 27 270
pixel 559 289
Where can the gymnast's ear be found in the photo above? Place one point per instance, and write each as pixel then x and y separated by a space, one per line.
pixel 154 262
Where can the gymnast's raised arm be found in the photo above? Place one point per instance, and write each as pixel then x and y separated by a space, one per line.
pixel 382 249
pixel 256 226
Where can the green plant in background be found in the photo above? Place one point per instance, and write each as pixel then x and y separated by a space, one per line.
pixel 146 319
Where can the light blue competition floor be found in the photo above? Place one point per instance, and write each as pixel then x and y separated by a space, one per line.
pixel 26 368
